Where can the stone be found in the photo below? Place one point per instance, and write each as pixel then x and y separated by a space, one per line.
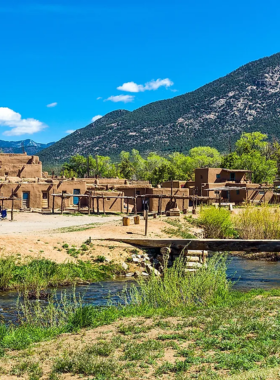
pixel 145 274
pixel 124 265
pixel 135 260
pixel 151 270
pixel 137 273
pixel 129 274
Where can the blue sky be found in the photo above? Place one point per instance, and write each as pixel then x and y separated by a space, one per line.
pixel 80 57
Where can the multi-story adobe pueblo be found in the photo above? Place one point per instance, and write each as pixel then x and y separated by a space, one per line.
pixel 21 176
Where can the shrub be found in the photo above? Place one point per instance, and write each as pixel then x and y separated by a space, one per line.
pixel 258 222
pixel 217 223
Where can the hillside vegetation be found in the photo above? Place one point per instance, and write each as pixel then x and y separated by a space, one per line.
pixel 216 114
pixel 252 152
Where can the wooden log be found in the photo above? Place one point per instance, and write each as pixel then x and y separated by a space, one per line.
pixel 146 222
pixel 97 205
pixel 136 219
pixel 207 244
pixel 103 199
pixel 126 221
pixel 53 203
pixel 135 205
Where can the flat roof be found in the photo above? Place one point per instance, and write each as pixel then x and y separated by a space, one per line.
pixel 226 188
pixel 237 170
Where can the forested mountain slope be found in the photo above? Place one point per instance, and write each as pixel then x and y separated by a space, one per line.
pixel 248 99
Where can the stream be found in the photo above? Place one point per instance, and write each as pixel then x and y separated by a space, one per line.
pixel 246 275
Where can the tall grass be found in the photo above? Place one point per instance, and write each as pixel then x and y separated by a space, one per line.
pixel 258 222
pixel 217 223
pixel 34 274
pixel 177 287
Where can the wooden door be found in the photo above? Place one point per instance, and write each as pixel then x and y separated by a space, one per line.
pixel 45 199
pixel 25 200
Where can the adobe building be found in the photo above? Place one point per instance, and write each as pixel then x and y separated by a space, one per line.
pixel 233 185
pixel 21 177
pixel 20 165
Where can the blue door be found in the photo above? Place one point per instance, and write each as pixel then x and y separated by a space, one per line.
pixel 25 200
pixel 76 199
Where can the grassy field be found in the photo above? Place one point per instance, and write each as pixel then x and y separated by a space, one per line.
pixel 180 326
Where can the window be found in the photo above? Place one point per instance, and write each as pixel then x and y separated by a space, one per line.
pixel 232 176
pixel 201 177
pixel 237 192
pixel 137 192
pixel 217 192
pixel 218 176
pixel 261 192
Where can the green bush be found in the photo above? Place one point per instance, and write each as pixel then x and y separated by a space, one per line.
pixel 258 222
pixel 217 223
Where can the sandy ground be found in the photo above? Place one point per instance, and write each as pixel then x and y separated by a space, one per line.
pixel 37 235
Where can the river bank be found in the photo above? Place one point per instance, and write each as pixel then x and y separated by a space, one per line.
pixel 224 340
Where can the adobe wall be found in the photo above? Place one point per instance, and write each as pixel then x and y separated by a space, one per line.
pixel 20 165
pixel 110 204
pixel 36 190
pixel 166 204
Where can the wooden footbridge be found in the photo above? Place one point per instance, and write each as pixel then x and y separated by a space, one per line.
pixel 206 244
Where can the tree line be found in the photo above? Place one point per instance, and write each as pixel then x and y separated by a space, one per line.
pixel 252 152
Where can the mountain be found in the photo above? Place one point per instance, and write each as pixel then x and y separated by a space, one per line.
pixel 246 100
pixel 30 146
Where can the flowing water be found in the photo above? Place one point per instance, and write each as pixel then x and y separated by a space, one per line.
pixel 246 274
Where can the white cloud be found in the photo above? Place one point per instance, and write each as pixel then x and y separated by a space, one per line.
pixel 152 85
pixel 99 97
pixel 121 98
pixel 51 105
pixel 96 118
pixel 12 119
pixel 69 131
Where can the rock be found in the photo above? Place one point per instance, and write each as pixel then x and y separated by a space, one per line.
pixel 139 256
pixel 144 274
pixel 129 274
pixel 151 270
pixel 135 260
pixel 124 265
pixel 137 273
pixel 107 260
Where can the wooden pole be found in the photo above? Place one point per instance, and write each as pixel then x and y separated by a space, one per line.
pixel 12 210
pixel 53 202
pixel 127 206
pixel 146 221
pixel 97 201
pixel 183 205
pixel 103 199
pixel 121 205
pixel 93 211
pixel 61 203
pixel 89 205
pixel 135 205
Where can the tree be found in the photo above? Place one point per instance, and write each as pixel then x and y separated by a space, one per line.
pixel 205 157
pixel 251 142
pixel 181 166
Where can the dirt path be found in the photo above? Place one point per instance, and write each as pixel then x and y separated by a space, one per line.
pixel 37 235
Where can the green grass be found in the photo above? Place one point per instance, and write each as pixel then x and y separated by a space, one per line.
pixel 217 223
pixel 37 274
pixel 212 331
pixel 178 229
